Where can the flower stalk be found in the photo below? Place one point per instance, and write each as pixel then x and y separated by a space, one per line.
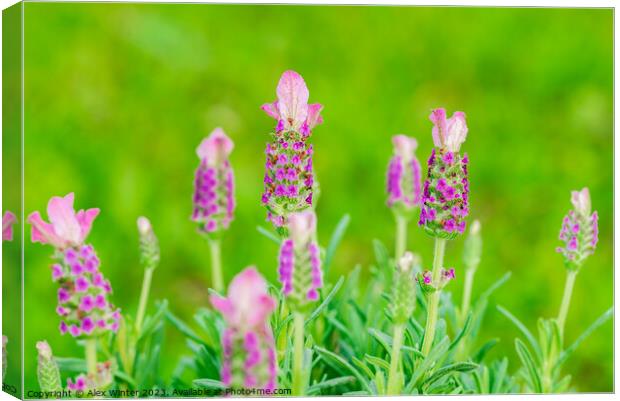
pixel 149 257
pixel 217 279
pixel 298 355
pixel 393 386
pixel 91 356
pixel 571 275
pixel 433 304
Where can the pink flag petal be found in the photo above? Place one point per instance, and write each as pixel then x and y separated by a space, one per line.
pixel 43 232
pixel 7 226
pixel 62 216
pixel 271 109
pixel 302 226
pixel 215 148
pixel 438 117
pixel 456 131
pixel 85 219
pixel 292 99
pixel 314 115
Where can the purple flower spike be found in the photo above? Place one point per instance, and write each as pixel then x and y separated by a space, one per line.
pixel 247 337
pixel 299 261
pixel 445 199
pixel 403 179
pixel 289 178
pixel 214 196
pixel 579 232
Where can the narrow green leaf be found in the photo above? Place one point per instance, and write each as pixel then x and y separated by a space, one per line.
pixel 334 241
pixel 381 254
pixel 530 365
pixel 377 362
pixel 449 369
pixel 462 333
pixel 184 328
pixel 597 323
pixel 326 301
pixel 338 360
pixel 335 382
pixel 486 347
pixel 524 330
pixel 269 234
pixel 209 384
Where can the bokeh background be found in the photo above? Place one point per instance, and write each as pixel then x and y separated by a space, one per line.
pixel 118 96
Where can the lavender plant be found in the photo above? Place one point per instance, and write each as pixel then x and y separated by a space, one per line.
pixel 83 305
pixel 544 356
pixel 214 196
pixel 445 205
pixel 403 187
pixel 290 184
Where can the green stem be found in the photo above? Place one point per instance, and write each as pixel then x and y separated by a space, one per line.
pixel 568 293
pixel 401 236
pixel 469 282
pixel 433 303
pixel 393 387
pixel 216 265
pixel 144 296
pixel 91 356
pixel 298 354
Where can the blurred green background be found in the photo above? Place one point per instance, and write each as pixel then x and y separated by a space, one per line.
pixel 118 96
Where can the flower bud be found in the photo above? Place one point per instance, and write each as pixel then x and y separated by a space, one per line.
pixel 429 284
pixel 149 245
pixel 47 369
pixel 403 299
pixel 446 189
pixel 214 198
pixel 248 345
pixel 579 232
pixel 403 180
pixel 473 247
pixel 299 261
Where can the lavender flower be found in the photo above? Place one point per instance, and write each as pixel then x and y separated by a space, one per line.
pixel 289 177
pixel 8 220
pixel 579 231
pixel 83 290
pixel 428 285
pixel 446 189
pixel 299 261
pixel 403 179
pixel 248 344
pixel 214 196
pixel 99 380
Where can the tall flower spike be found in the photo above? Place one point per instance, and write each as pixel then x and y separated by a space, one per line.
pixel 299 261
pixel 579 232
pixel 248 344
pixel 403 299
pixel 83 304
pixel 446 189
pixel 8 219
pixel 47 369
pixel 289 178
pixel 214 189
pixel 403 179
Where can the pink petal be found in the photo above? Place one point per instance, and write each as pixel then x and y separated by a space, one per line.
pixel 7 226
pixel 63 219
pixel 404 146
pixel 223 305
pixel 314 115
pixel 85 219
pixel 438 117
pixel 247 292
pixel 216 147
pixel 292 98
pixel 43 232
pixel 302 226
pixel 271 109
pixel 456 131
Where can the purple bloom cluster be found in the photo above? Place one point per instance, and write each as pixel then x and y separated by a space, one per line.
pixel 446 195
pixel 579 232
pixel 83 294
pixel 404 175
pixel 289 177
pixel 428 284
pixel 307 289
pixel 299 267
pixel 214 198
